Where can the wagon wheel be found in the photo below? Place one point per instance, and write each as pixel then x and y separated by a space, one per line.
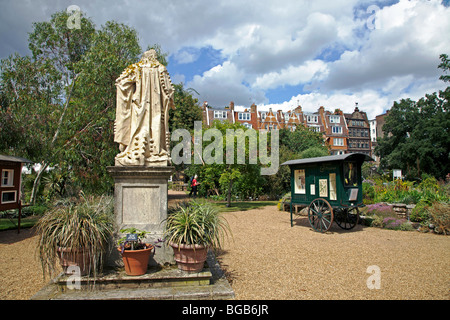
pixel 320 215
pixel 347 218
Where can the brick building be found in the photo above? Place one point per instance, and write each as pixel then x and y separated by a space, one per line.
pixel 343 133
pixel 358 132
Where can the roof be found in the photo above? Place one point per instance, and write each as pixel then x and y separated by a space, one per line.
pixel 14 159
pixel 361 157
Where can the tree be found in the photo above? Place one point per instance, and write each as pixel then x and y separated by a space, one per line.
pixel 221 176
pixel 301 139
pixel 63 98
pixel 89 146
pixel 301 143
pixel 187 110
pixel 39 89
pixel 445 66
pixel 417 136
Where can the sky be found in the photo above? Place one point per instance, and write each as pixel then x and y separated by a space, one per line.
pixel 276 54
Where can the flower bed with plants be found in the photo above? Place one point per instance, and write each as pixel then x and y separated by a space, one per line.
pixel 430 197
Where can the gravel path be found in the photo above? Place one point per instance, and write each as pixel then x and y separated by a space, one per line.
pixel 267 259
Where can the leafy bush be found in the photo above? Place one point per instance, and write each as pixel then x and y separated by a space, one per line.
pixel 440 216
pixel 368 192
pixel 420 212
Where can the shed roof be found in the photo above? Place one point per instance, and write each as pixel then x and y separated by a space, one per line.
pixel 360 157
pixel 14 159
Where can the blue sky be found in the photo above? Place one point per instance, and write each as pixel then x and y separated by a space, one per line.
pixel 275 54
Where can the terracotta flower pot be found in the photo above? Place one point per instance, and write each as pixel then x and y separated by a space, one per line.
pixel 190 258
pixel 68 258
pixel 136 261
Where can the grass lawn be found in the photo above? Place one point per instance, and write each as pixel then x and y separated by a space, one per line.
pixel 8 224
pixel 242 205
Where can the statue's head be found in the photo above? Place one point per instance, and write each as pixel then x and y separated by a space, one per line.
pixel 150 55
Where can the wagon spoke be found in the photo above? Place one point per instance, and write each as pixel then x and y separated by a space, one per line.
pixel 347 218
pixel 320 215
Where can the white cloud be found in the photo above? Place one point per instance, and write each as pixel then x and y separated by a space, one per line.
pixel 292 75
pixel 222 84
pixel 324 46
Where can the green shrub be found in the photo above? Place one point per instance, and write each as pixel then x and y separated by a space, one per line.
pixel 420 212
pixel 368 193
pixel 440 216
pixel 377 222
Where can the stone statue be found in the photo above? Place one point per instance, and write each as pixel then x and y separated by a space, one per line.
pixel 144 96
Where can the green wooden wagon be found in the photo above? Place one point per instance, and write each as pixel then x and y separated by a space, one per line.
pixel 330 187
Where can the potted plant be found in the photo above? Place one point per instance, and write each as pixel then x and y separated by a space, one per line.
pixel 191 229
pixel 76 233
pixel 135 252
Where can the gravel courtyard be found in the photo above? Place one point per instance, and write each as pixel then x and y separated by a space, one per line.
pixel 267 259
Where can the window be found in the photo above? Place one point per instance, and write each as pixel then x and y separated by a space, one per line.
pixel 9 196
pixel 243 116
pixel 358 123
pixel 248 125
pixel 263 115
pixel 334 119
pixel 336 129
pixel 220 114
pixel 7 177
pixel 338 142
pixel 350 178
pixel 314 128
pixel 312 119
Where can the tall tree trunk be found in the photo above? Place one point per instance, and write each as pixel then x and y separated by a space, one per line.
pixel 230 186
pixel 45 163
pixel 37 182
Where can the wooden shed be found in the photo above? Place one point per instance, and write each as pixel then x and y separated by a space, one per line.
pixel 10 184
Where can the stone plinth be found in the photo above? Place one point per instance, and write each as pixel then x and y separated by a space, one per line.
pixel 140 201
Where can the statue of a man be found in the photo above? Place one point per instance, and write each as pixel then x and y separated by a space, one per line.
pixel 144 96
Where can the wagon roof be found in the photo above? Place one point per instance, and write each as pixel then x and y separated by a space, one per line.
pixel 360 157
pixel 14 159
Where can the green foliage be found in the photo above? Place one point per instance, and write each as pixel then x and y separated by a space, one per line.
pixel 84 224
pixel 445 66
pixel 133 245
pixel 380 190
pixel 230 179
pixel 368 193
pixel 302 139
pixel 417 137
pixel 420 212
pixel 313 152
pixel 58 105
pixel 196 223
pixel 186 111
pixel 298 144
pixel 440 217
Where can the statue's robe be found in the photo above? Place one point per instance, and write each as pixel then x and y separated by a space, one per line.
pixel 144 96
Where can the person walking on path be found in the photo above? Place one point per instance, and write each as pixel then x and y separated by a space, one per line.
pixel 194 184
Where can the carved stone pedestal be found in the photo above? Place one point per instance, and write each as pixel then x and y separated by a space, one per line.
pixel 140 201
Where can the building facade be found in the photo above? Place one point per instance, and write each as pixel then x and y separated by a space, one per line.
pixel 343 133
pixel 359 138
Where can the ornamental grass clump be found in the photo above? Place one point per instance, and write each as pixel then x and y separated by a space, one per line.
pixel 196 222
pixel 85 224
